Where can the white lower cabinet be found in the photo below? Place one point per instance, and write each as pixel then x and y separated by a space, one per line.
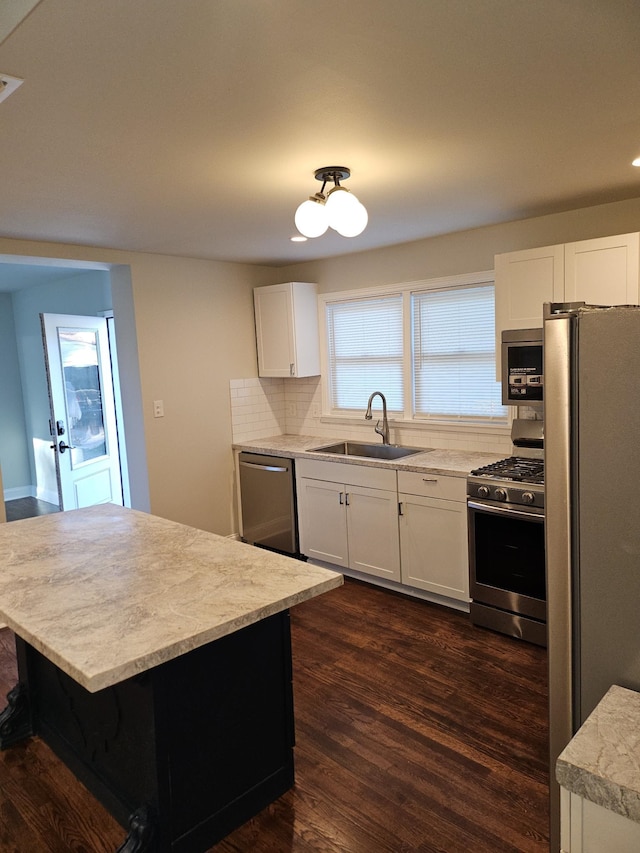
pixel 348 516
pixel 322 521
pixel 589 828
pixel 404 526
pixel 433 534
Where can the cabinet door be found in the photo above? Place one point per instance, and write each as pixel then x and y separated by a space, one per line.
pixel 287 329
pixel 306 336
pixel 524 282
pixel 433 545
pixel 603 271
pixel 372 524
pixel 274 330
pixel 322 521
pixel 587 827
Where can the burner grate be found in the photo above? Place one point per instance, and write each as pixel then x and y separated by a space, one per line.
pixel 517 468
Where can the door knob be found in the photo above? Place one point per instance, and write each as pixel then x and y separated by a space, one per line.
pixel 62 446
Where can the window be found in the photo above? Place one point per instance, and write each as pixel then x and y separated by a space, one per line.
pixel 364 341
pixel 454 354
pixel 431 351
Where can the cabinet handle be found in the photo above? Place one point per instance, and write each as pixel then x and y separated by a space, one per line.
pixel 341 496
pixel 429 479
pixel 400 508
pixel 291 370
pixel 346 498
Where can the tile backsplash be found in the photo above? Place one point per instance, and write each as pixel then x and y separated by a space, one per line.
pixel 264 407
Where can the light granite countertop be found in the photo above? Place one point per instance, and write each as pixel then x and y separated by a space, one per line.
pixel 108 592
pixel 602 761
pixel 456 463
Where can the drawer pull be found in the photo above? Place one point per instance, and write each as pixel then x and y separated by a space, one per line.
pixel 430 480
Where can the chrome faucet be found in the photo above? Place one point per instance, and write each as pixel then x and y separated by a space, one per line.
pixel 384 431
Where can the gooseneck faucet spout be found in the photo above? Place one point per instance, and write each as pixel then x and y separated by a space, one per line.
pixel 384 430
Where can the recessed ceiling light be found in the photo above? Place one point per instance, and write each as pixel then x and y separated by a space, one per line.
pixel 636 162
pixel 298 239
pixel 8 85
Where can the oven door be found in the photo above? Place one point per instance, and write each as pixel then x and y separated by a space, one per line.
pixel 507 558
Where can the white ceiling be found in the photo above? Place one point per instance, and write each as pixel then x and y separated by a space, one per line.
pixel 194 127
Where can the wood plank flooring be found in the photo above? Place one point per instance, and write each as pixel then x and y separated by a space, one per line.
pixel 415 732
pixel 28 508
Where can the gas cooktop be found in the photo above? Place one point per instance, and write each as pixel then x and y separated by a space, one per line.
pixel 516 468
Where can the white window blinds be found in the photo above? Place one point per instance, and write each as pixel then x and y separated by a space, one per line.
pixel 365 349
pixel 454 354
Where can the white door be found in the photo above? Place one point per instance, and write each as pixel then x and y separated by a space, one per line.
pixel 83 420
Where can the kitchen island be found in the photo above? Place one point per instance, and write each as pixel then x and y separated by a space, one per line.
pixel 155 660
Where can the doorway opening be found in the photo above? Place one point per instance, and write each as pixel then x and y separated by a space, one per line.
pixel 31 286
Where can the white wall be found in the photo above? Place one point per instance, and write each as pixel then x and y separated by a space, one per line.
pixel 14 456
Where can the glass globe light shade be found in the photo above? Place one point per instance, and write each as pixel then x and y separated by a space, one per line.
pixel 311 217
pixel 346 214
pixel 355 223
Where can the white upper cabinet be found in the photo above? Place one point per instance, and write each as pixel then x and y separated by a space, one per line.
pixel 524 282
pixel 287 329
pixel 604 271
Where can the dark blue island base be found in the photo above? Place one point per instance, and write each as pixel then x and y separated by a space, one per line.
pixel 181 754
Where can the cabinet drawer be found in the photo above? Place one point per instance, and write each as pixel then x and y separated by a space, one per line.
pixel 350 474
pixel 432 485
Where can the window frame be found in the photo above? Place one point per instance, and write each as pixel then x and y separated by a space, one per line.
pixel 406 418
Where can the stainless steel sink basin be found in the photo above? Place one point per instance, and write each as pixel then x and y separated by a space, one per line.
pixel 371 451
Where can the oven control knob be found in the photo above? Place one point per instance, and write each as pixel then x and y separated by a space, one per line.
pixel 500 494
pixel 484 491
pixel 528 497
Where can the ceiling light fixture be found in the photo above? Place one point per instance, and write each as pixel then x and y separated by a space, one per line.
pixel 636 162
pixel 338 209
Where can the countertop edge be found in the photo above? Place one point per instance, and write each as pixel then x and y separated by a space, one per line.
pixel 117 674
pixel 601 763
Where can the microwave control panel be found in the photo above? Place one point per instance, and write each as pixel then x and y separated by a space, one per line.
pixel 522 370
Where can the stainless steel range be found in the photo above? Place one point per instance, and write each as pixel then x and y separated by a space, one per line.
pixel 506 547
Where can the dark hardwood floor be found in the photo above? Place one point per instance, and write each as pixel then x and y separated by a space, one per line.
pixel 28 508
pixel 415 732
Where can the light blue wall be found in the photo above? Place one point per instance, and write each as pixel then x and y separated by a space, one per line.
pixel 14 457
pixel 87 292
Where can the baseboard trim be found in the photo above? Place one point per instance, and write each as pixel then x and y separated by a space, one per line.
pixel 18 492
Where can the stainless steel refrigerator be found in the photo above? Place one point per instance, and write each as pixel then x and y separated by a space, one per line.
pixel 592 521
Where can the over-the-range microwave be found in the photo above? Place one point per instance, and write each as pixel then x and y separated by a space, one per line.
pixel 522 367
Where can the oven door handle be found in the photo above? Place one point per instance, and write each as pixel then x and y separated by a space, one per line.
pixel 503 510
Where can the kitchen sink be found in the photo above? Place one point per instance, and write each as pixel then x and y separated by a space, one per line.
pixel 371 451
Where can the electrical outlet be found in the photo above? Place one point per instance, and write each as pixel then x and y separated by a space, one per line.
pixel 158 408
pixel 291 410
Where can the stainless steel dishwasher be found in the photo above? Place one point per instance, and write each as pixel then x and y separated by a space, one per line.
pixel 267 497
